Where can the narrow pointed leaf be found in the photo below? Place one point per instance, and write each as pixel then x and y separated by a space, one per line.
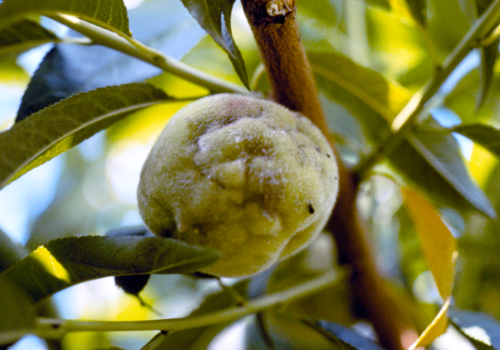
pixel 478 344
pixel 435 329
pixel 438 244
pixel 59 127
pixel 441 151
pixel 65 262
pixel 22 36
pixel 110 14
pixel 215 17
pixel 70 69
pixel 482 134
pixel 476 326
pixel 486 71
pixel 385 97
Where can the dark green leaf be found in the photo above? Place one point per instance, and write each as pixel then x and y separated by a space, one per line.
pixel 469 323
pixel 418 10
pixel 18 312
pixel 416 169
pixel 110 14
pixel 10 253
pixel 68 261
pixel 22 36
pixel 215 17
pixel 442 152
pixel 289 333
pixel 482 134
pixel 70 69
pixel 385 97
pixel 59 127
pixel 486 71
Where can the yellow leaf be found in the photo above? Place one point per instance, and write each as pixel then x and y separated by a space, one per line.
pixel 481 164
pixel 438 244
pixel 435 329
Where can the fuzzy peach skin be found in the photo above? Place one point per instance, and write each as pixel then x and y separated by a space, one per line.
pixel 243 175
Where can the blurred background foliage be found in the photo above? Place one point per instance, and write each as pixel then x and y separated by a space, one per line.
pixel 385 49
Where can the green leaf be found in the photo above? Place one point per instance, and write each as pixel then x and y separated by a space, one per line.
pixel 441 151
pixel 215 17
pixel 110 14
pixel 18 311
pixel 59 127
pixel 383 96
pixel 482 134
pixel 68 261
pixel 187 339
pixel 22 36
pixel 418 10
pixel 418 171
pixel 486 71
pixel 480 329
pixel 10 253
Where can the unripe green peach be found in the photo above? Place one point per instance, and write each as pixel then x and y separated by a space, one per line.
pixel 246 176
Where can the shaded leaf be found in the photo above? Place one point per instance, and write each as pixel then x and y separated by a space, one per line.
pixel 59 127
pixel 139 230
pixel 215 17
pixel 418 10
pixel 442 152
pixel 385 97
pixel 418 171
pixel 18 311
pixel 10 252
pixel 68 261
pixel 438 244
pixel 24 35
pixel 482 330
pixel 486 71
pixel 185 339
pixel 110 14
pixel 482 134
pixel 435 329
pixel 71 69
pixel 289 333
pixel 348 336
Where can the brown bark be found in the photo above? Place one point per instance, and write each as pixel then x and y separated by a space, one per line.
pixel 274 26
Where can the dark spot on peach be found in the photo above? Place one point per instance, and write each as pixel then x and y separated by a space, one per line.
pixel 311 209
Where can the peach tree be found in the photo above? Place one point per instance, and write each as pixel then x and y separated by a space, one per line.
pixel 402 93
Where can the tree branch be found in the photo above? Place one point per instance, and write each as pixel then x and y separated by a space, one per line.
pixel 274 26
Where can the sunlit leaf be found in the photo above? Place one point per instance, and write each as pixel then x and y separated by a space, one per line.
pixel 438 244
pixel 482 330
pixel 435 329
pixel 65 262
pixel 442 152
pixel 215 17
pixel 483 134
pixel 59 127
pixel 110 14
pixel 22 36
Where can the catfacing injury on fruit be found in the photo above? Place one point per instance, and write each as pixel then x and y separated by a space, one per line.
pixel 243 175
